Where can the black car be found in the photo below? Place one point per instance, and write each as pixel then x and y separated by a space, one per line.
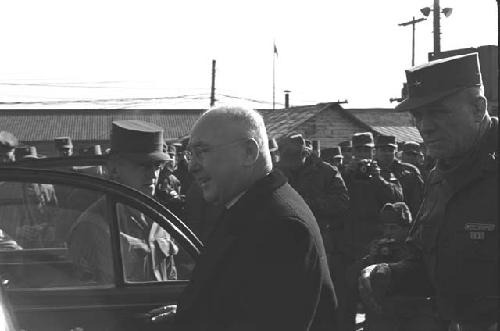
pixel 43 286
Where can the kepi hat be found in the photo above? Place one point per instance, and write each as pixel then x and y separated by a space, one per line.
pixel 430 82
pixel 363 139
pixel 137 141
pixel 383 140
pixel 63 142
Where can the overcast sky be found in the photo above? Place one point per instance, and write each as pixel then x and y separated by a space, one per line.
pixel 327 50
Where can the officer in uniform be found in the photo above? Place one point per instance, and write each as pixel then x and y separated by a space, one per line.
pixel 135 160
pixel 454 239
pixel 346 149
pixel 64 146
pixel 407 174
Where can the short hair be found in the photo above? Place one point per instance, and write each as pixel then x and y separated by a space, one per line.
pixel 250 119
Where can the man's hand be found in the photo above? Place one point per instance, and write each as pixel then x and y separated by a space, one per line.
pixel 373 284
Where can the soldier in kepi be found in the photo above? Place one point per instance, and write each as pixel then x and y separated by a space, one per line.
pixel 64 146
pixel 135 159
pixel 408 175
pixel 454 239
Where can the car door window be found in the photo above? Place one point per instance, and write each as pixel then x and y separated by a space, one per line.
pixel 44 236
pixel 149 253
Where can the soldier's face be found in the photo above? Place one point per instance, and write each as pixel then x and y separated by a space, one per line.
pixel 448 127
pixel 410 158
pixel 363 152
pixel 141 176
pixel 66 152
pixel 337 161
pixel 385 155
pixel 217 159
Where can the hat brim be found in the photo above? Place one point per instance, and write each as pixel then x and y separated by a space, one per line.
pixel 392 145
pixel 144 157
pixel 365 145
pixel 414 103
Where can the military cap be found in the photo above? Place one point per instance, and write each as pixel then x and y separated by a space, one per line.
pixel 395 213
pixel 294 139
pixel 363 139
pixel 273 145
pixel 411 147
pixel 25 152
pixel 331 153
pixel 345 146
pixel 90 150
pixel 430 82
pixel 137 140
pixel 7 141
pixel 63 142
pixel 383 140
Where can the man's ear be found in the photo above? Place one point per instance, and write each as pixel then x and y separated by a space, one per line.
pixel 480 108
pixel 252 151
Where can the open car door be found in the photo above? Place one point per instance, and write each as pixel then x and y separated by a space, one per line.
pixel 73 257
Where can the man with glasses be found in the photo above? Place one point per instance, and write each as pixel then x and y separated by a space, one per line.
pixel 264 266
pixel 454 239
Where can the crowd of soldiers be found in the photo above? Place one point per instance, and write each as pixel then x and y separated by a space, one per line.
pixel 365 194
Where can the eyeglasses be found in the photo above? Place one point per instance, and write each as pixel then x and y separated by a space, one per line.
pixel 199 151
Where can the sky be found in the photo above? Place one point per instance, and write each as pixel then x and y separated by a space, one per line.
pixel 158 54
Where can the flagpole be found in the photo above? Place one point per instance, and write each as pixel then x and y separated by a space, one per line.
pixel 274 47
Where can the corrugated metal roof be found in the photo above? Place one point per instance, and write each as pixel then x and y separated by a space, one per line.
pixel 402 133
pixel 44 125
pixel 94 125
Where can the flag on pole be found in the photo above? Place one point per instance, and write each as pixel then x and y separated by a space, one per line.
pixel 275 49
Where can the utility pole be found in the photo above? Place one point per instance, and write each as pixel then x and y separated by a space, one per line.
pixel 212 90
pixel 437 28
pixel 412 22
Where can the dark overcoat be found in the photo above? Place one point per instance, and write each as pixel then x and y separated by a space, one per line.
pixel 263 268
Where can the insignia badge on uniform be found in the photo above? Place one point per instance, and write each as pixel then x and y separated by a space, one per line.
pixel 477 230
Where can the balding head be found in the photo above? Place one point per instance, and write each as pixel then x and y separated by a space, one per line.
pixel 230 151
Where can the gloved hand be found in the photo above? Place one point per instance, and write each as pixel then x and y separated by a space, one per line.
pixel 373 284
